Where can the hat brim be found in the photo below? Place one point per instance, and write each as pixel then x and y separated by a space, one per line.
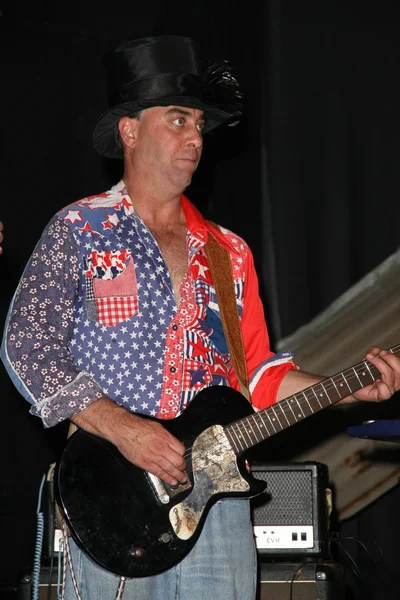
pixel 104 131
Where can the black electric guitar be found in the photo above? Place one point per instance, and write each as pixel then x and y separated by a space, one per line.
pixel 132 523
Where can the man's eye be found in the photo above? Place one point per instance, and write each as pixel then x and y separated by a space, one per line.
pixel 179 121
pixel 200 126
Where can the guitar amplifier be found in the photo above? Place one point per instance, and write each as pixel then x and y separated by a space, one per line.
pixel 47 585
pixel 294 581
pixel 290 519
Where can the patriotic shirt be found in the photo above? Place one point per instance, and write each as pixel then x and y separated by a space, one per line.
pixel 95 315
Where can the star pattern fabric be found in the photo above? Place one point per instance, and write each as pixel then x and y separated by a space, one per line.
pixel 95 315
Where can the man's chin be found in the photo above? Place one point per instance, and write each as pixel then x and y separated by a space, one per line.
pixel 186 175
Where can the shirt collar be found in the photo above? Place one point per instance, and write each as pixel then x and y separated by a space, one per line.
pixel 196 224
pixel 200 228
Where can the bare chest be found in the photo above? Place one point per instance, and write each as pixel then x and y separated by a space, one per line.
pixel 173 248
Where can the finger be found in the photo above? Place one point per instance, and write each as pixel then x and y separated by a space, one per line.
pixel 373 351
pixel 176 473
pixel 174 464
pixel 169 459
pixel 167 471
pixel 176 445
pixel 382 391
pixel 391 359
pixel 383 363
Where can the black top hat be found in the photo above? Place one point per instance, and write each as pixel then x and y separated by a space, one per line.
pixel 164 71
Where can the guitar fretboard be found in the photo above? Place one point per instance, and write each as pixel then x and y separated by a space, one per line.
pixel 255 428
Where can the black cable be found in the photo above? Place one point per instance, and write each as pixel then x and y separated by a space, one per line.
pixel 339 540
pixel 293 579
pixel 50 577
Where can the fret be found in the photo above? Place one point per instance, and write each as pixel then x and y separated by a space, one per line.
pixel 253 431
pixel 231 439
pixel 260 415
pixel 290 406
pixel 337 391
pixel 296 415
pixel 323 395
pixel 312 389
pixel 305 407
pixel 313 403
pixel 273 407
pixel 279 405
pixel 345 379
pixel 243 431
pixel 339 385
pixel 308 402
pixel 258 433
pixel 325 392
pixel 273 419
pixel 364 373
pixel 356 374
pixel 256 419
pixel 270 420
pixel 313 400
pixel 299 405
pixel 369 370
pixel 237 437
pixel 246 430
pixel 283 408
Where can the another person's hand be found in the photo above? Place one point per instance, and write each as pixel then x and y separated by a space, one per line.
pixel 1 236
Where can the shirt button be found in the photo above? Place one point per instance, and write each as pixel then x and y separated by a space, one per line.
pixel 172 370
pixel 174 327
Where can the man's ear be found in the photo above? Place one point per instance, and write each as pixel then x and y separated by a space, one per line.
pixel 128 131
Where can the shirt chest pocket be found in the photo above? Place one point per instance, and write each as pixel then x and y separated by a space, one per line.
pixel 111 289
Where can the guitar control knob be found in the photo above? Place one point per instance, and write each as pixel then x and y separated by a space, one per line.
pixel 165 538
pixel 136 551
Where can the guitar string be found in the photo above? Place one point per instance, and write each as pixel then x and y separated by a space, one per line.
pixel 283 407
pixel 326 385
pixel 286 409
pixel 303 401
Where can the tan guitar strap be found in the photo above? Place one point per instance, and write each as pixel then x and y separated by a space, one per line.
pixel 221 271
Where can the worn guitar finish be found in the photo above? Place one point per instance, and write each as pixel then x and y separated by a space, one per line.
pixel 132 523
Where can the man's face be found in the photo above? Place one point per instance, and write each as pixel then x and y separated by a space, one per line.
pixel 169 144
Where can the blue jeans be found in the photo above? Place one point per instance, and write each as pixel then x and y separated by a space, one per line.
pixel 222 562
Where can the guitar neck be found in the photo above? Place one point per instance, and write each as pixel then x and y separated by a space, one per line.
pixel 257 427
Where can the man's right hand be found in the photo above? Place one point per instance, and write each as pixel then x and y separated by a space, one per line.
pixel 145 443
pixel 151 447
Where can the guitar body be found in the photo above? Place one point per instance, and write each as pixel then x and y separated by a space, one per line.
pixel 132 523
pixel 135 525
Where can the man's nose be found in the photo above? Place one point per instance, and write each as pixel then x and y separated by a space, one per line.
pixel 195 138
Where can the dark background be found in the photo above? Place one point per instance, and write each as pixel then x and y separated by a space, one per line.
pixel 309 179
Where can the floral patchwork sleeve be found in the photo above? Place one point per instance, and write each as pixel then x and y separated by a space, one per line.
pixel 35 348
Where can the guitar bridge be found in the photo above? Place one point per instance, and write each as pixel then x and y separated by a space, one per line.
pixel 165 492
pixel 178 488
